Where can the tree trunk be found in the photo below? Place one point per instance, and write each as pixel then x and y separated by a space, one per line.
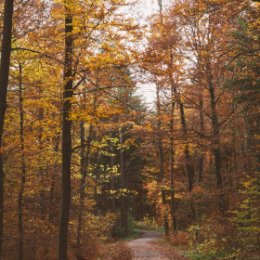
pixel 189 167
pixel 216 140
pixel 187 156
pixel 40 212
pixel 23 170
pixel 113 178
pixel 4 75
pixel 66 137
pixel 214 120
pixel 202 129
pixel 83 171
pixel 160 147
pixel 161 159
pixel 53 181
pixel 85 156
pixel 172 154
pixel 124 198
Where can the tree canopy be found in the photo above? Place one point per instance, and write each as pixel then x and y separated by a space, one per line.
pixel 85 161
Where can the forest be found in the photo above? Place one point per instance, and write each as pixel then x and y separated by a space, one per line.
pixel 93 166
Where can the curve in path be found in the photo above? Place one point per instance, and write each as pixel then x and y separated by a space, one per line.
pixel 143 248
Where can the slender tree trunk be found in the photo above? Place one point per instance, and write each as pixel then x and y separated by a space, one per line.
pixel 83 170
pixel 41 209
pixel 160 147
pixel 4 75
pixel 200 168
pixel 199 176
pixel 113 178
pixel 189 166
pixel 214 119
pixel 216 140
pixel 187 156
pixel 124 198
pixel 53 181
pixel 202 129
pixel 141 201
pixel 161 159
pixel 23 171
pixel 236 149
pixel 85 156
pixel 66 137
pixel 172 154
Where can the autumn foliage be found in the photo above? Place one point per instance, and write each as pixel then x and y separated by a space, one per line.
pixel 84 159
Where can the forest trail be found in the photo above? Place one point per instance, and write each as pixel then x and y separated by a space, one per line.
pixel 145 248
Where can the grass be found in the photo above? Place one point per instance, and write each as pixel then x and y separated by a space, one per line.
pixel 147 225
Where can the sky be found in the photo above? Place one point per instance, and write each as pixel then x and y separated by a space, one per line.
pixel 142 11
pixel 147 7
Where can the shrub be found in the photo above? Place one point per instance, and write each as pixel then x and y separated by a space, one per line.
pixel 180 239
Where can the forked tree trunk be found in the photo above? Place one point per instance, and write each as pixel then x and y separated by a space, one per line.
pixel 187 156
pixel 216 150
pixel 4 75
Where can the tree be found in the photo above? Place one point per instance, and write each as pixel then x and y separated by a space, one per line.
pixel 66 134
pixel 4 75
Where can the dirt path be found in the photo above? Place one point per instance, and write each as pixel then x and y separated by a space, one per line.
pixel 144 248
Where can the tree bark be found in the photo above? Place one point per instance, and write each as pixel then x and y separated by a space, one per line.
pixel 202 129
pixel 216 139
pixel 23 171
pixel 4 76
pixel 53 181
pixel 124 198
pixel 161 159
pixel 189 167
pixel 113 178
pixel 172 154
pixel 160 147
pixel 216 151
pixel 66 137
pixel 41 207
pixel 85 156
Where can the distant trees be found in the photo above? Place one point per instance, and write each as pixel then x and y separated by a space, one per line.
pixel 50 130
pixel 195 55
pixel 82 156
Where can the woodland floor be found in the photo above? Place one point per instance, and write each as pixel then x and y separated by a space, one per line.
pixel 150 247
